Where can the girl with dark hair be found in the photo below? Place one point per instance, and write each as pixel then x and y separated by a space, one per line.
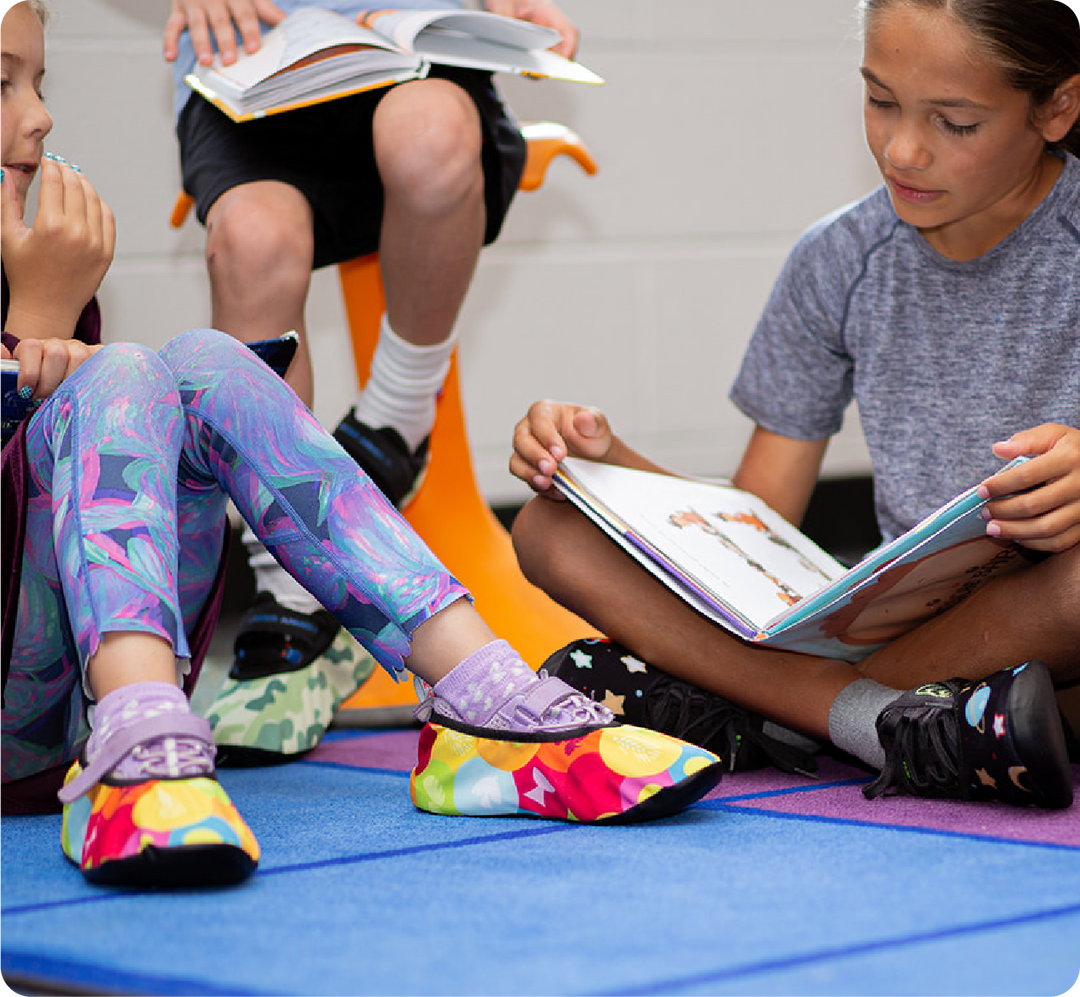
pixel 947 305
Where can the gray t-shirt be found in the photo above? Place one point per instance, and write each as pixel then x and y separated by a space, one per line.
pixel 943 358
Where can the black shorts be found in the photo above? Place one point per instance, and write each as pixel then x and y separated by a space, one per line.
pixel 326 152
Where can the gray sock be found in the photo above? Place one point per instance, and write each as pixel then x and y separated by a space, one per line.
pixel 853 718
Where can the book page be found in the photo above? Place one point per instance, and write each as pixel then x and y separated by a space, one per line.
pixel 296 38
pixel 476 39
pixel 903 594
pixel 405 27
pixel 936 564
pixel 651 562
pixel 727 545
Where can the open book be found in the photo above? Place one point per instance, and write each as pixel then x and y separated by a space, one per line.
pixel 315 55
pixel 746 568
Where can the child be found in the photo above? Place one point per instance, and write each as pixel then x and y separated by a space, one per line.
pixel 424 173
pixel 947 303
pixel 121 478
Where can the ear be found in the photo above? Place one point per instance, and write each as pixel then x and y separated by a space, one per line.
pixel 1055 119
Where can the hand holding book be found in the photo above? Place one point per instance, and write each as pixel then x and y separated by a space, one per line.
pixel 552 431
pixel 315 55
pixel 213 29
pixel 1037 503
pixel 746 568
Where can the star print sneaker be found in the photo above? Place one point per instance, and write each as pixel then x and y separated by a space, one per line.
pixel 142 806
pixel 1000 738
pixel 501 740
pixel 638 693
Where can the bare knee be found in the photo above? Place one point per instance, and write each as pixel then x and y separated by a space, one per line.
pixel 427 146
pixel 260 236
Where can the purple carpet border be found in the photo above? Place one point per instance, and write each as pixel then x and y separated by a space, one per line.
pixel 834 795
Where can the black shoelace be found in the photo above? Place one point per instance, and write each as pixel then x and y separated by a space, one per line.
pixel 922 757
pixel 712 722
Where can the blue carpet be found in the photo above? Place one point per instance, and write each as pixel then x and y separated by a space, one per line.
pixel 746 893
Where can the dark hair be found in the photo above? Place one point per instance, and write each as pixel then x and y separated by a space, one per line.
pixel 1036 43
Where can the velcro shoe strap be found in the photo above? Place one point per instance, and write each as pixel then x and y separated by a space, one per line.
pixel 123 741
pixel 543 695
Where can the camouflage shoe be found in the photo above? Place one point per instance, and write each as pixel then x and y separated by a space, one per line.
pixel 285 685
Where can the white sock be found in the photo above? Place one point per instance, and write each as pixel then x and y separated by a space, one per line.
pixel 273 578
pixel 853 719
pixel 404 383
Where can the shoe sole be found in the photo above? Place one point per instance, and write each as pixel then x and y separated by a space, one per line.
pixel 672 800
pixel 188 866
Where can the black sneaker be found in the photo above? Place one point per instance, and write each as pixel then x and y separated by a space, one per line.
pixel 272 639
pixel 384 455
pixel 1000 738
pixel 644 696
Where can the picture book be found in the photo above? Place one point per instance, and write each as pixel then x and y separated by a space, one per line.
pixel 315 55
pixel 742 565
pixel 13 409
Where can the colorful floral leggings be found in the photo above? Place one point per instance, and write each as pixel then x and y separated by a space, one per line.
pixel 132 460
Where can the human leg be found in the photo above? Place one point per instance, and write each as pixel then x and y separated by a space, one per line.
pixel 259 250
pixel 257 188
pixel 427 148
pixel 100 640
pixel 448 160
pixel 259 253
pixel 564 554
pixel 568 557
pixel 427 141
pixel 332 529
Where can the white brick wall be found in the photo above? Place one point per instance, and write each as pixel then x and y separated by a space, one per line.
pixel 725 127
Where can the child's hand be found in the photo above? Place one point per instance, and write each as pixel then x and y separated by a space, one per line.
pixel 222 18
pixel 55 267
pixel 544 13
pixel 1043 512
pixel 45 363
pixel 552 431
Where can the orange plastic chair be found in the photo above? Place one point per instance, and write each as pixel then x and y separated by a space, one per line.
pixel 449 511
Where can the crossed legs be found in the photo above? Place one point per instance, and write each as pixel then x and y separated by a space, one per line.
pixel 1029 614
